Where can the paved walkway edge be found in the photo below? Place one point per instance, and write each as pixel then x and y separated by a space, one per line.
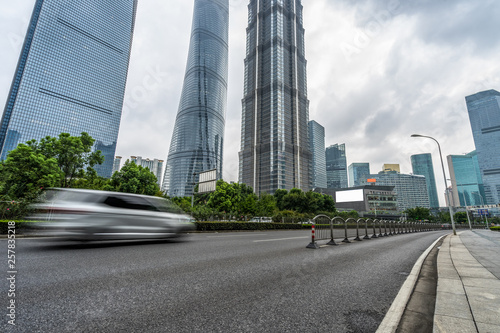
pixel 393 317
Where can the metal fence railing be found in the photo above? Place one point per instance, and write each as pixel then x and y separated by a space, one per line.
pixel 323 228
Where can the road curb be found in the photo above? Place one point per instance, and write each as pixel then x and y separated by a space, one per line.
pixel 393 317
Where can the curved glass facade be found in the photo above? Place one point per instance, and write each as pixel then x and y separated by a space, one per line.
pixel 275 150
pixel 71 74
pixel 198 137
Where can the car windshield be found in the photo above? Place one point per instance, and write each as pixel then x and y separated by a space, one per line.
pixel 59 195
pixel 165 205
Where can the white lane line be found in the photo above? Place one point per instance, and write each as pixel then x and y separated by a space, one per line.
pixel 246 235
pixel 279 239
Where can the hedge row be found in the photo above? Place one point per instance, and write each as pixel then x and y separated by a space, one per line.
pixel 497 228
pixel 230 226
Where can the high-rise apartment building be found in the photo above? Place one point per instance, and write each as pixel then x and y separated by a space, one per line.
pixel 71 75
pixel 357 172
pixel 336 166
pixel 466 183
pixel 422 165
pixel 154 165
pixel 317 147
pixel 198 137
pixel 117 164
pixel 411 190
pixel 274 133
pixel 484 115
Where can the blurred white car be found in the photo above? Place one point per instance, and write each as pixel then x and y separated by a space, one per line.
pixel 79 214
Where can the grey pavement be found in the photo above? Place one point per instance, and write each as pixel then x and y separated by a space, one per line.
pixel 468 289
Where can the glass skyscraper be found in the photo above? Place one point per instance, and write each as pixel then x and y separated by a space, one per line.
pixel 422 165
pixel 484 115
pixel 317 147
pixel 466 181
pixel 71 74
pixel 358 171
pixel 336 166
pixel 198 137
pixel 274 132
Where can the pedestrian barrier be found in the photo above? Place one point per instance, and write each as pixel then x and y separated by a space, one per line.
pixel 323 228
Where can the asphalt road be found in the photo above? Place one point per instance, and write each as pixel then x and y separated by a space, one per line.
pixel 225 282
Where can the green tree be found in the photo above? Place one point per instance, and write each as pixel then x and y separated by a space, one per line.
pixel 419 213
pixel 226 198
pixel 266 206
pixel 279 194
pixel 295 200
pixel 460 217
pixel 133 178
pixel 26 172
pixel 73 154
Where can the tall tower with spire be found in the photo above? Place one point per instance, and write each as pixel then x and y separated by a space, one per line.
pixel 198 137
pixel 274 133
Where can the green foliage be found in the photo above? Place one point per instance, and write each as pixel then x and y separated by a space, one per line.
pixel 231 226
pixel 351 214
pixel 183 202
pixel 26 172
pixel 460 217
pixel 495 228
pixel 73 155
pixel 133 178
pixel 418 213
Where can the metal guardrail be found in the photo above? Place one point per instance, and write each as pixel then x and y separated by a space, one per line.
pixel 323 227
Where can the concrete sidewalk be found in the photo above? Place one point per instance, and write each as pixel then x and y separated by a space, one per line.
pixel 468 290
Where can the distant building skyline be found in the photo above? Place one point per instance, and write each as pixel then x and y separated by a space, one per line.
pixel 484 115
pixel 275 108
pixel 198 137
pixel 154 165
pixel 336 166
pixel 71 75
pixel 422 165
pixel 357 171
pixel 317 147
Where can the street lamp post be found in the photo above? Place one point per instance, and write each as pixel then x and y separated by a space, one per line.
pixel 445 182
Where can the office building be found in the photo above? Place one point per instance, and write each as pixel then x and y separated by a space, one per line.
pixel 466 183
pixel 411 190
pixel 198 137
pixel 154 165
pixel 422 165
pixel 117 164
pixel 71 75
pixel 317 147
pixel 358 171
pixel 274 132
pixel 336 166
pixel 484 115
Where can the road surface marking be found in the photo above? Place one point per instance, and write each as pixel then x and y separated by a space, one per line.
pixel 279 239
pixel 236 235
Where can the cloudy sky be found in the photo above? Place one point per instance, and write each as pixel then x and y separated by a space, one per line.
pixel 378 71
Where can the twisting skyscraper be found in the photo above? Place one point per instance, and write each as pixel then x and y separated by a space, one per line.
pixel 274 135
pixel 71 74
pixel 198 137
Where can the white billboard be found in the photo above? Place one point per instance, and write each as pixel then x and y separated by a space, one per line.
pixel 349 196
pixel 208 181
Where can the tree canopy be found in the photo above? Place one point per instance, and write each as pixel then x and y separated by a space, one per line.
pixel 133 178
